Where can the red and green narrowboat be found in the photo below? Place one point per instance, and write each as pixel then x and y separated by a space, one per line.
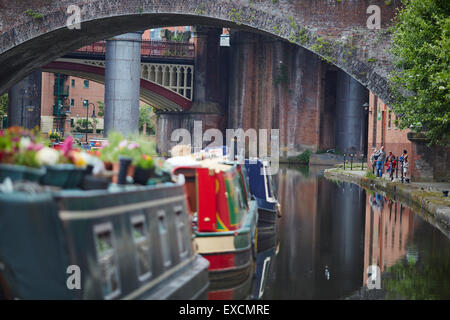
pixel 225 220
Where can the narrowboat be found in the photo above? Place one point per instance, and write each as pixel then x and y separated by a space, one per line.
pixel 126 242
pixel 262 188
pixel 253 288
pixel 225 221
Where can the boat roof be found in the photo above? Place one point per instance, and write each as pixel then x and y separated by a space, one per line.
pixel 187 162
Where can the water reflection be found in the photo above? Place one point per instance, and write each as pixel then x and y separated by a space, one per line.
pixel 329 236
pixel 331 233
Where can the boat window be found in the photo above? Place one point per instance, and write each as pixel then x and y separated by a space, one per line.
pixel 164 238
pixel 181 231
pixel 268 183
pixel 141 240
pixel 240 192
pixel 107 259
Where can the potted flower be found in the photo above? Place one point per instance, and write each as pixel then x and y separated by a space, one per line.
pixel 18 151
pixel 65 167
pixel 144 169
pixel 55 136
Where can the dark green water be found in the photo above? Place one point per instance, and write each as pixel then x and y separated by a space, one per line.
pixel 330 234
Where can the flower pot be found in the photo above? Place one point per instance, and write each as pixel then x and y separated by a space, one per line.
pixel 108 165
pixel 94 183
pixel 141 176
pixel 124 164
pixel 35 174
pixel 66 176
pixel 14 172
pixel 17 172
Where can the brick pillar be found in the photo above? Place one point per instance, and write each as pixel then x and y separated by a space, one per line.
pixel 209 98
pixel 25 102
pixel 207 70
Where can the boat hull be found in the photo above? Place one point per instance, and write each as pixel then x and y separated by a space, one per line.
pixel 119 240
pixel 230 254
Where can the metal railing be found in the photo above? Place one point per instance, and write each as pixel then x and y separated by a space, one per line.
pixel 171 49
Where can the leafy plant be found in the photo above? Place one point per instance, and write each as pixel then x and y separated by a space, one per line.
pixel 421 84
pixel 370 175
pixel 3 105
pixel 145 162
pixel 304 157
pixel 34 14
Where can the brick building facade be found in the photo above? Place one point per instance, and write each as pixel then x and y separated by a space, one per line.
pixel 426 163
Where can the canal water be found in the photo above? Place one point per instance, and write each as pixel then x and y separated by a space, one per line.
pixel 334 236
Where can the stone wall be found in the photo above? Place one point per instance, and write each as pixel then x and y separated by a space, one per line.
pixel 334 29
pixel 275 85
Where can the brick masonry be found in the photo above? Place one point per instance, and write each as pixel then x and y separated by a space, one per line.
pixel 427 163
pixel 336 30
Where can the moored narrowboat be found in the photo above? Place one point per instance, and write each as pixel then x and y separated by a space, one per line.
pixel 126 242
pixel 262 188
pixel 225 219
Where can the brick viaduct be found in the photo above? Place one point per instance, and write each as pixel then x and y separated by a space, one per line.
pixel 34 33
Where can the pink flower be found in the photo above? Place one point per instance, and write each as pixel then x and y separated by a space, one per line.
pixel 133 146
pixel 123 144
pixel 38 146
pixel 67 145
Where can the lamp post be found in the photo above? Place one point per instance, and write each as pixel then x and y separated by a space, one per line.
pixel 87 117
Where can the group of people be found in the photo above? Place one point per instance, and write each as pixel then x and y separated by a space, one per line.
pixel 379 160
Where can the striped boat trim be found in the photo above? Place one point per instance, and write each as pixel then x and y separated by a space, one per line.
pixel 104 212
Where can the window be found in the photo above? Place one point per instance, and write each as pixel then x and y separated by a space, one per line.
pixel 86 83
pixel 181 224
pixel 164 238
pixel 72 102
pixel 155 34
pixel 72 123
pixel 73 83
pixel 142 245
pixel 107 260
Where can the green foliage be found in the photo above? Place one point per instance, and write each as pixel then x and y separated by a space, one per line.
pixel 80 125
pixel 236 15
pixel 101 108
pixel 304 157
pixel 421 85
pixel 146 115
pixel 3 105
pixel 370 175
pixel 34 14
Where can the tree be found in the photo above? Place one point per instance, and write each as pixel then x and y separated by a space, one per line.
pixel 146 115
pixel 421 84
pixel 101 108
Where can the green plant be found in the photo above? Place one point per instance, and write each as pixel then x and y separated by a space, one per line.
pixel 144 162
pixel 3 105
pixel 370 175
pixel 147 117
pixel 421 84
pixel 34 14
pixel 304 157
pixel 101 108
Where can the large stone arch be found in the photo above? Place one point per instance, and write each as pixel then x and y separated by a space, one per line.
pixel 34 33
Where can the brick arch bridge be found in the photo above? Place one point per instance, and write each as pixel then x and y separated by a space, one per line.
pixel 33 32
